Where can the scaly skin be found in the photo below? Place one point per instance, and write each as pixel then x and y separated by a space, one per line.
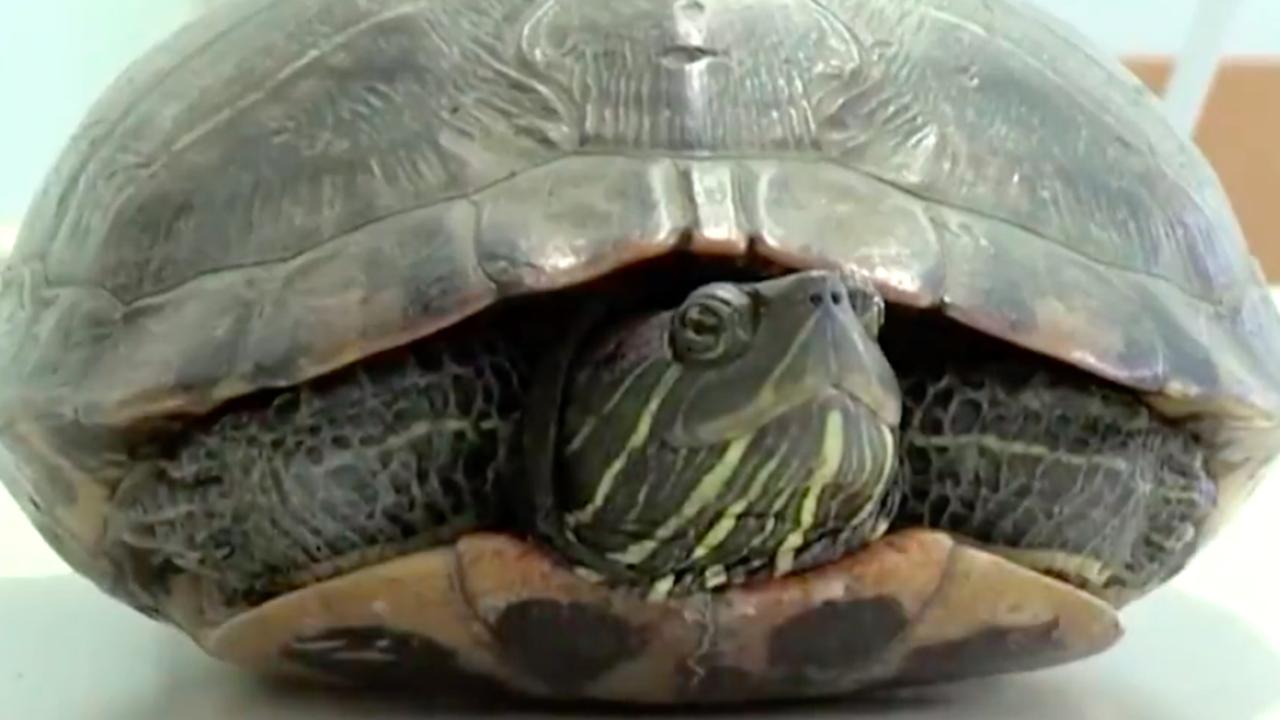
pixel 412 449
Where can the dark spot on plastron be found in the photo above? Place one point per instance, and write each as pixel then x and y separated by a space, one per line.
pixel 837 637
pixel 992 651
pixel 565 645
pixel 382 658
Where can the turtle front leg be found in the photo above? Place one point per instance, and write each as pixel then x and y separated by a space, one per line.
pixel 396 454
pixel 1052 470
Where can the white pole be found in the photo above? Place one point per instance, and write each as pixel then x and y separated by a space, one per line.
pixel 1197 66
pixel 8 235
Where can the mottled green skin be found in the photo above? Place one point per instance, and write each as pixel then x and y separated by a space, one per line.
pixel 402 452
pixel 1032 459
pixel 412 449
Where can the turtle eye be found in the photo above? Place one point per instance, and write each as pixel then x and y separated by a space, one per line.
pixel 714 325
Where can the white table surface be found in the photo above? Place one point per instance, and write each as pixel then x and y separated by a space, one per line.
pixel 1205 646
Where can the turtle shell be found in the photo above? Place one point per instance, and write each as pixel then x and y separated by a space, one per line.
pixel 282 189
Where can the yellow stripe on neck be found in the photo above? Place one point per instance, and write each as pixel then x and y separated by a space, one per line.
pixel 830 457
pixel 639 436
pixel 708 489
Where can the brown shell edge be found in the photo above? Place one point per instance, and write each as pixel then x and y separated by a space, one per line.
pixel 493 611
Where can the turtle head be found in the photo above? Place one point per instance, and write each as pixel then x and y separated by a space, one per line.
pixel 748 353
pixel 750 427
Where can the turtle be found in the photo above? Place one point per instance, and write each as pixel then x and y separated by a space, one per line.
pixel 661 352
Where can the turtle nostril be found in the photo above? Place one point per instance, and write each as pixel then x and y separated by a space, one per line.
pixel 837 297
pixel 817 299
